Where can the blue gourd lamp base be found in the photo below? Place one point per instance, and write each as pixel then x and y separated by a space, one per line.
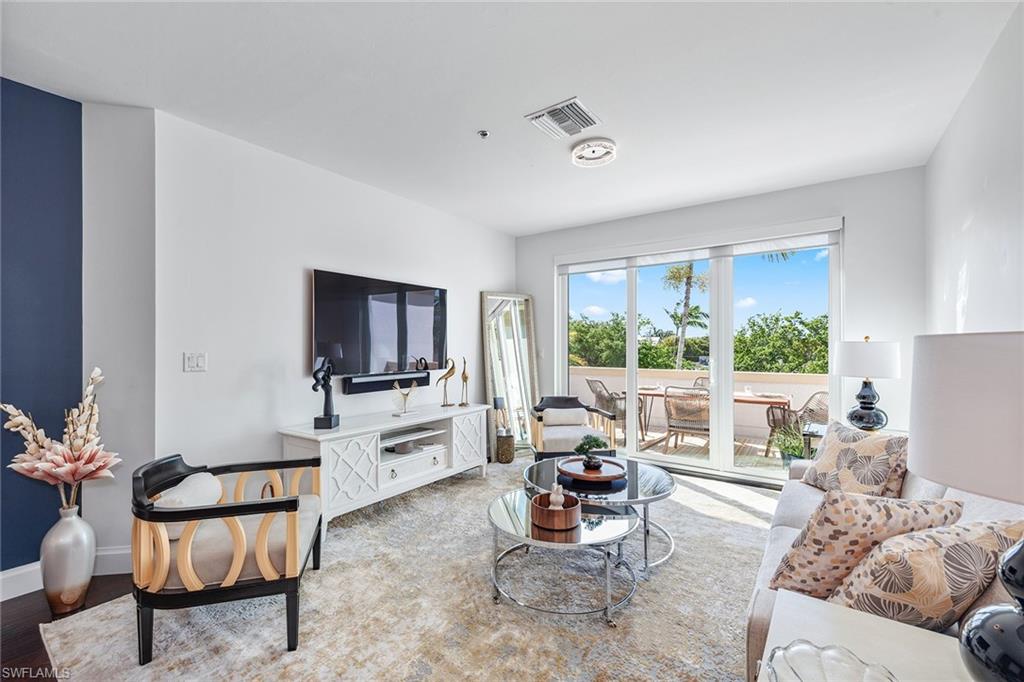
pixel 992 639
pixel 866 416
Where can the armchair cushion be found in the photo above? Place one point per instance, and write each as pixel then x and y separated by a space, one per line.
pixel 213 550
pixel 197 490
pixel 566 438
pixel 576 416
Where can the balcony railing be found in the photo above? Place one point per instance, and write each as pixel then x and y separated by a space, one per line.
pixel 750 421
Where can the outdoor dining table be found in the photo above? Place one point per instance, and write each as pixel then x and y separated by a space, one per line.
pixel 648 394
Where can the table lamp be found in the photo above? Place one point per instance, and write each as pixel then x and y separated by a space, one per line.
pixel 967 432
pixel 501 421
pixel 867 358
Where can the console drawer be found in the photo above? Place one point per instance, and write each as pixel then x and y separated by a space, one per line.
pixel 400 471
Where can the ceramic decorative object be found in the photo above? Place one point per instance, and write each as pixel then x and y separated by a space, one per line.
pixel 465 385
pixel 66 559
pixel 449 373
pixel 68 551
pixel 803 661
pixel 556 498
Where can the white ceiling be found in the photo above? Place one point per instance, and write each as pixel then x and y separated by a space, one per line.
pixel 706 101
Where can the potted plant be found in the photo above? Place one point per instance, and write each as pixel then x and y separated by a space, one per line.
pixel 791 444
pixel 68 552
pixel 590 461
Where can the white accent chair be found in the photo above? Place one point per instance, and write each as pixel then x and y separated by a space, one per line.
pixel 559 423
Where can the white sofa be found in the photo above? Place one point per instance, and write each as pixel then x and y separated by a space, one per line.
pixel 796 503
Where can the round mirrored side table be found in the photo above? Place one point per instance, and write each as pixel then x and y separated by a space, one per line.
pixel 600 531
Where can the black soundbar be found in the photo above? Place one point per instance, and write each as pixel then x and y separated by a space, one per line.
pixel 369 383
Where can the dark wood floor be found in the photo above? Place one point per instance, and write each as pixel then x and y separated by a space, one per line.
pixel 21 645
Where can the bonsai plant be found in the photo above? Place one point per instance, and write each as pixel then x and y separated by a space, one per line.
pixel 791 444
pixel 588 443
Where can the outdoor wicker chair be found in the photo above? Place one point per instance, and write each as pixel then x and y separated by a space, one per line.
pixel 607 400
pixel 814 412
pixel 702 382
pixel 687 410
pixel 615 403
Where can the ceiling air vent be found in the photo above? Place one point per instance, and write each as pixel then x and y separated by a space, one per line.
pixel 564 119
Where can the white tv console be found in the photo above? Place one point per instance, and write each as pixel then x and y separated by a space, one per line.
pixel 356 470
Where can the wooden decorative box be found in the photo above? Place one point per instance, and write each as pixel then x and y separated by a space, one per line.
pixel 555 519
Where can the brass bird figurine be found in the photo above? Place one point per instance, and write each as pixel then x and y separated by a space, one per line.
pixel 465 384
pixel 445 377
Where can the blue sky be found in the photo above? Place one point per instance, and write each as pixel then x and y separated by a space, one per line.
pixel 759 286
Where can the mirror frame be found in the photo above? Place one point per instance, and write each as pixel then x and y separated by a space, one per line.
pixel 531 347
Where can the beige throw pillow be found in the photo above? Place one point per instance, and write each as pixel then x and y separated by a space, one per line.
pixel 856 461
pixel 844 528
pixel 929 578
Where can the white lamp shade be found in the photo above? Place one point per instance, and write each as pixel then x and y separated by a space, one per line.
pixel 868 359
pixel 967 413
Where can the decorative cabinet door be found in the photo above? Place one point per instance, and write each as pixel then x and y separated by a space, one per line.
pixel 469 439
pixel 351 470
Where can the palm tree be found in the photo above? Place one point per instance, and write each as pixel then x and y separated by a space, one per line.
pixel 682 276
pixel 696 318
pixel 678 277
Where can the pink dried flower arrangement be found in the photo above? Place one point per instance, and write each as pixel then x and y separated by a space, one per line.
pixel 78 457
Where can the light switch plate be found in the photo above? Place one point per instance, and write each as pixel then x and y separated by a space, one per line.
pixel 193 362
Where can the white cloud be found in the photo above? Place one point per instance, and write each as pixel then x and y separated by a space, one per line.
pixel 821 255
pixel 607 277
pixel 595 311
pixel 746 302
pixel 572 313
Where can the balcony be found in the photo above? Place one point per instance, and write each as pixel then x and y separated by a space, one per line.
pixel 750 419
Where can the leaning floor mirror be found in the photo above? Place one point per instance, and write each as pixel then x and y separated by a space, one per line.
pixel 510 365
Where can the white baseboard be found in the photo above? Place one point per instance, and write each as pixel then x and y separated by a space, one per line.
pixel 113 560
pixel 20 580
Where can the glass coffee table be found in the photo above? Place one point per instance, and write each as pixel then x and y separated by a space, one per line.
pixel 599 530
pixel 644 485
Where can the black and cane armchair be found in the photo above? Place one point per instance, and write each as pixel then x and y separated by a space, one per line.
pixel 245 549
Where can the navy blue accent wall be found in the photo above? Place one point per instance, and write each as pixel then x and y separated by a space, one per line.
pixel 40 293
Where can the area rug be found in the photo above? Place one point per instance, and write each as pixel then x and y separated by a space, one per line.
pixel 404 593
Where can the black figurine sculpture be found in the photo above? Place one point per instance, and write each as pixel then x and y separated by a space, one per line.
pixel 322 381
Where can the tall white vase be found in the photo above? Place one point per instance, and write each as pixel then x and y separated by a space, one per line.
pixel 66 558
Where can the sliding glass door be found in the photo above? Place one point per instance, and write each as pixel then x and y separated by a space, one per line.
pixel 597 339
pixel 714 358
pixel 780 356
pixel 673 359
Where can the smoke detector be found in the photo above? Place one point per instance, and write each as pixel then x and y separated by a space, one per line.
pixel 597 151
pixel 564 119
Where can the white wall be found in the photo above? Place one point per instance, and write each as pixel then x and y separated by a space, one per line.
pixel 118 318
pixel 239 229
pixel 883 259
pixel 975 220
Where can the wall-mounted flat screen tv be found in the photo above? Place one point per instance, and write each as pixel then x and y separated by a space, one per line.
pixel 373 326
